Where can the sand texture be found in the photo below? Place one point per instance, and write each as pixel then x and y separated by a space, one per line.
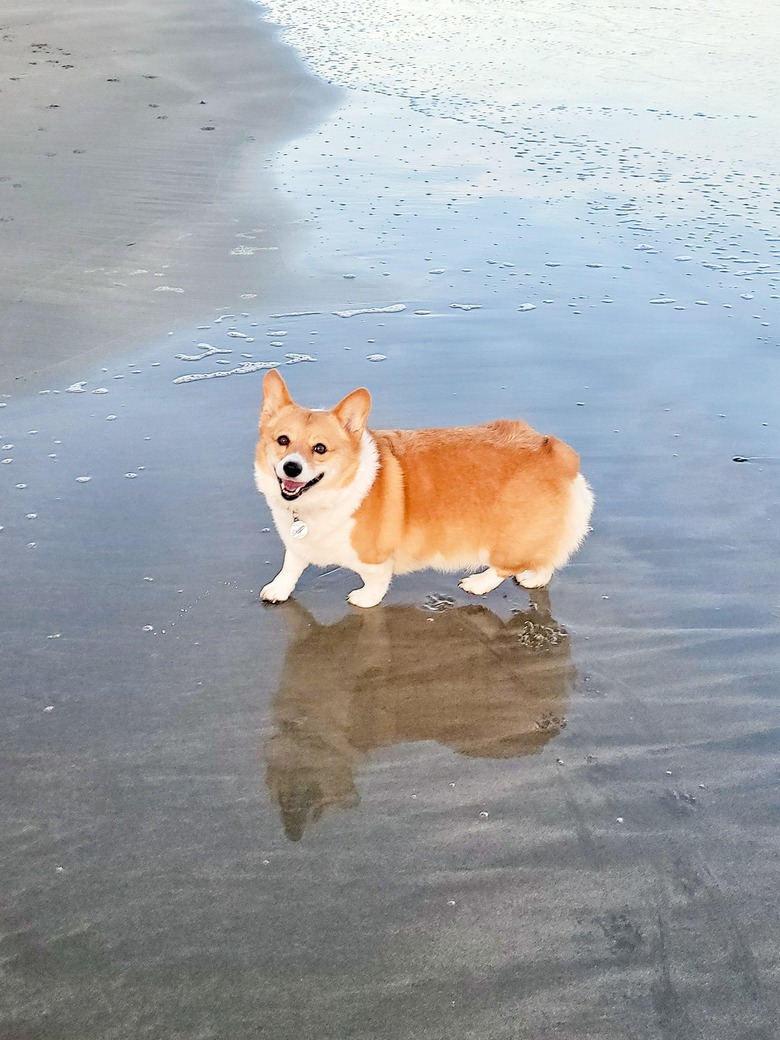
pixel 547 816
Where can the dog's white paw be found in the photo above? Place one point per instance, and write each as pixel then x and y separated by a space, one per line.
pixel 534 579
pixel 482 583
pixel 366 597
pixel 275 591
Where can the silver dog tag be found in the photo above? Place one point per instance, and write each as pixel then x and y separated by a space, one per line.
pixel 299 529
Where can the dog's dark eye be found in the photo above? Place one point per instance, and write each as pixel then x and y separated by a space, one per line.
pixel 283 440
pixel 320 449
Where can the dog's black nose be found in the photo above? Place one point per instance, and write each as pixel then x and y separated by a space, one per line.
pixel 292 469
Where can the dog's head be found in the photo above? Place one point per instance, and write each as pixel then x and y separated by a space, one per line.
pixel 304 450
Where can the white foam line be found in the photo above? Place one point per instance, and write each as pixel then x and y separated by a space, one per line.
pixel 296 314
pixel 394 308
pixel 242 370
pixel 208 351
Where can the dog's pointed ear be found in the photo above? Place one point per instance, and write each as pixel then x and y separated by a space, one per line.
pixel 352 411
pixel 275 395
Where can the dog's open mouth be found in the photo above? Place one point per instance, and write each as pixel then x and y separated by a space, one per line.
pixel 292 489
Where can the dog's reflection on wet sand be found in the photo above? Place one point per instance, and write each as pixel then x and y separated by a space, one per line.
pixel 460 676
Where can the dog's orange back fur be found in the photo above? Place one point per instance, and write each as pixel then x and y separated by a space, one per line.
pixel 496 493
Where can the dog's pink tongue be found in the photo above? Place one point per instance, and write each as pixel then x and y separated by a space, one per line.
pixel 291 486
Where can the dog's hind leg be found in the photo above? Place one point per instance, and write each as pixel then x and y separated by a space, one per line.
pixel 534 579
pixel 483 582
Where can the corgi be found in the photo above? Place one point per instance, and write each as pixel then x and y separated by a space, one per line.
pixel 499 496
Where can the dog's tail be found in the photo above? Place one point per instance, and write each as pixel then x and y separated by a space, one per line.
pixel 577 522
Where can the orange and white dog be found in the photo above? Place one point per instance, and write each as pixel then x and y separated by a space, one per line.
pixel 498 496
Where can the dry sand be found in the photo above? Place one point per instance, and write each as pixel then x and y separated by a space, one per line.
pixel 126 131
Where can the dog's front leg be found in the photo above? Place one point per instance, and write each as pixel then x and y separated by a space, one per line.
pixel 280 589
pixel 376 581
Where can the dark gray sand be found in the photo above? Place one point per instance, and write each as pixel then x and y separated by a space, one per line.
pixel 529 816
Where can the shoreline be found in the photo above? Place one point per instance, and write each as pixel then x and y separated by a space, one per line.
pixel 125 208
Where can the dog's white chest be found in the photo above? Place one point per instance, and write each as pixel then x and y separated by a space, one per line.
pixel 321 540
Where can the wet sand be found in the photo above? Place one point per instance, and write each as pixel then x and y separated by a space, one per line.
pixel 528 816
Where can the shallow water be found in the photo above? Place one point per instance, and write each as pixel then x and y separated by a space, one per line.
pixel 527 817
